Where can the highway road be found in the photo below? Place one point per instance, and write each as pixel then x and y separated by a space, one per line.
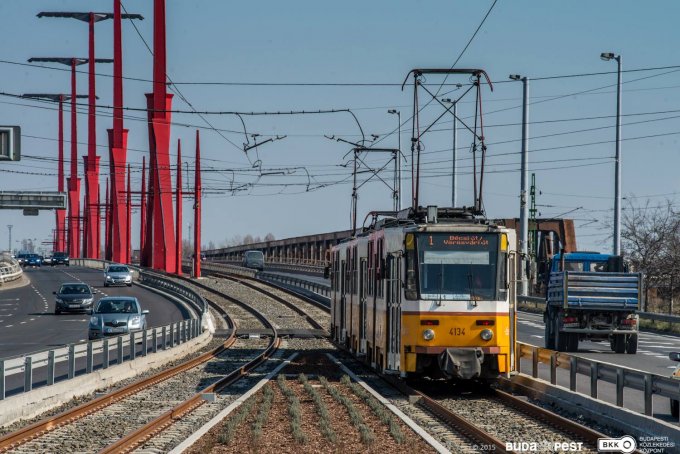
pixel 652 355
pixel 28 322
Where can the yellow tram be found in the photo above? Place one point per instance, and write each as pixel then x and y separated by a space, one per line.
pixel 428 293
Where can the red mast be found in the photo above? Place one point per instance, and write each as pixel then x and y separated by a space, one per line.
pixel 197 210
pixel 159 104
pixel 142 213
pixel 178 210
pixel 128 245
pixel 118 147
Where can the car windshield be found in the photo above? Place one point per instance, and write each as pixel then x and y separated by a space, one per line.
pixel 74 289
pixel 118 269
pixel 117 307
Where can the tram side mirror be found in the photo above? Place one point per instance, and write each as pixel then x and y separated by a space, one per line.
pixel 326 272
pixel 674 356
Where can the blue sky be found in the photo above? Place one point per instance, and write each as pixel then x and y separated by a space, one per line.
pixel 365 42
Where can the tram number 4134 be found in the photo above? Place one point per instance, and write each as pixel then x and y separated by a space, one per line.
pixel 457 332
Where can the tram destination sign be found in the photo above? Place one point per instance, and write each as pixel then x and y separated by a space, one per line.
pixel 441 241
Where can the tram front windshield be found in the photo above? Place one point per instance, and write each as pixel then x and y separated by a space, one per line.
pixel 458 266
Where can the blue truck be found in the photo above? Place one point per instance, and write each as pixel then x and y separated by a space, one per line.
pixel 591 296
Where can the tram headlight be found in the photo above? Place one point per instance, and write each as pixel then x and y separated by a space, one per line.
pixel 428 334
pixel 486 334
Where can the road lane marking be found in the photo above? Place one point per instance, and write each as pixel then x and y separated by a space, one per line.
pixel 8 326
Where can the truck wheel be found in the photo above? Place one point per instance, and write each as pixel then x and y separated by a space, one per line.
pixel 572 342
pixel 675 408
pixel 549 336
pixel 561 339
pixel 619 343
pixel 631 344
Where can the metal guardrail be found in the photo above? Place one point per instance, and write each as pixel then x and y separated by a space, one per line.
pixel 289 267
pixel 227 268
pixel 162 283
pixel 44 363
pixel 622 377
pixel 321 289
pixel 10 270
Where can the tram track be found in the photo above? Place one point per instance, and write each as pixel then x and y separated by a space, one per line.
pixel 123 418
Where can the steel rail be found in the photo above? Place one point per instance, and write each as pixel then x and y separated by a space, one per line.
pixel 457 422
pixel 244 281
pixel 133 440
pixel 25 434
pixel 564 424
pixel 144 433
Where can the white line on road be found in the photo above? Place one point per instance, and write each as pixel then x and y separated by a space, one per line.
pixel 8 326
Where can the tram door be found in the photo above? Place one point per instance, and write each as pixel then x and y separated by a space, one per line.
pixel 393 301
pixel 362 306
pixel 512 298
pixel 343 301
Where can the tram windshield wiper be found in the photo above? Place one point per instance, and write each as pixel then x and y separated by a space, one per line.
pixel 441 282
pixel 471 287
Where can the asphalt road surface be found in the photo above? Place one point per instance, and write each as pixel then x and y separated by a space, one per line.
pixel 28 322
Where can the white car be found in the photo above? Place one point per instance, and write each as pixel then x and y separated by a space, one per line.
pixel 117 275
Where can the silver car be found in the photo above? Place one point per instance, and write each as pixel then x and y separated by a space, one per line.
pixel 117 275
pixel 115 315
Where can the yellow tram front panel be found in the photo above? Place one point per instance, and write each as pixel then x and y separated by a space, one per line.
pixel 454 330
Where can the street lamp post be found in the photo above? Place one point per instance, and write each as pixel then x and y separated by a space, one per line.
pixel 9 227
pixel 606 56
pixel 397 201
pixel 523 206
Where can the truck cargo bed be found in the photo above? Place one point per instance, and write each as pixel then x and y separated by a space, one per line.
pixel 588 290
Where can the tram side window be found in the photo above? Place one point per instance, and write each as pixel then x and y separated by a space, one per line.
pixel 371 269
pixel 502 276
pixel 334 272
pixel 354 270
pixel 381 272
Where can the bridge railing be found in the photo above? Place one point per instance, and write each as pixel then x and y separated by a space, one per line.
pixel 623 378
pixel 289 266
pixel 316 287
pixel 10 269
pixel 53 365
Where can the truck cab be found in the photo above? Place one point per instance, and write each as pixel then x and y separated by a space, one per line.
pixel 591 296
pixel 588 262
